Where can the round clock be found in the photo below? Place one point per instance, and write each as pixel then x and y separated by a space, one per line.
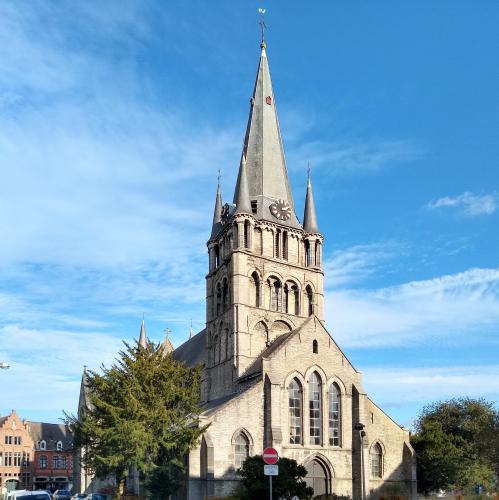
pixel 280 209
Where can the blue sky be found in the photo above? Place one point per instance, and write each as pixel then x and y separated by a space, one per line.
pixel 116 116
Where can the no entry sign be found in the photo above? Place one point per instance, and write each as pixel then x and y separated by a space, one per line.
pixel 270 456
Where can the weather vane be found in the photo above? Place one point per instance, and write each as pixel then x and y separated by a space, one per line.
pixel 262 24
pixel 167 332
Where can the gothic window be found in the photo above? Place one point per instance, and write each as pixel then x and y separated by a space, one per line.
pixel 291 298
pixel 241 450
pixel 307 253
pixel 315 347
pixel 219 299
pixel 334 415
pixel 247 229
pixel 216 349
pixel 285 245
pixel 309 300
pixel 225 294
pixel 317 256
pixel 255 289
pixel 275 294
pixel 277 244
pixel 217 256
pixel 42 461
pixel 295 412
pixel 376 460
pixel 315 408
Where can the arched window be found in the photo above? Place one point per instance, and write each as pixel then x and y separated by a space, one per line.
pixel 247 229
pixel 275 294
pixel 43 445
pixel 295 394
pixel 216 349
pixel 42 461
pixel 219 299
pixel 241 450
pixel 217 256
pixel 376 460
pixel 277 244
pixel 317 256
pixel 307 253
pixel 255 289
pixel 59 446
pixel 334 415
pixel 315 347
pixel 291 298
pixel 225 294
pixel 285 245
pixel 309 300
pixel 315 408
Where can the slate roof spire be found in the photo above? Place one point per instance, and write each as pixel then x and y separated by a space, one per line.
pixel 143 337
pixel 241 197
pixel 263 150
pixel 310 217
pixel 217 214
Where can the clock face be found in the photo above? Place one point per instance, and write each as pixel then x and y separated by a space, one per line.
pixel 280 209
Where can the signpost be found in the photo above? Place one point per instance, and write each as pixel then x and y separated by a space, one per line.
pixel 270 457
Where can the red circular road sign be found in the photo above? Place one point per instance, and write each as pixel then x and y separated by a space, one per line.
pixel 270 456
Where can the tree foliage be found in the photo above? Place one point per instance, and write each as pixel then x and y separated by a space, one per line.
pixel 289 482
pixel 142 412
pixel 457 445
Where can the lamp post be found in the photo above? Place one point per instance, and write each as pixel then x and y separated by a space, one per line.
pixel 4 366
pixel 360 427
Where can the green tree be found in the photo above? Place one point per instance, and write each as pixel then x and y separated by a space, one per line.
pixel 142 412
pixel 457 445
pixel 289 482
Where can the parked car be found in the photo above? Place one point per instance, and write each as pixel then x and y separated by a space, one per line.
pixel 28 495
pixel 79 496
pixel 62 495
pixel 98 496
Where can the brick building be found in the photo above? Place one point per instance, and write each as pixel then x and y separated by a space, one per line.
pixel 34 455
pixel 53 459
pixel 16 453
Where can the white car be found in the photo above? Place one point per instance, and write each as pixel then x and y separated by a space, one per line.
pixel 28 495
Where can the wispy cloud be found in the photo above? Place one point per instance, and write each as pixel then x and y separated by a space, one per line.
pixel 355 156
pixel 458 307
pixel 468 203
pixel 389 385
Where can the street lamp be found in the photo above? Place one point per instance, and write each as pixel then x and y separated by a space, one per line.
pixel 4 366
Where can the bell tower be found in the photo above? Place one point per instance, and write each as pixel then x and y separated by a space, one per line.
pixel 265 273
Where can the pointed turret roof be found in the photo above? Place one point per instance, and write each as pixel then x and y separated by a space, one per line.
pixel 310 217
pixel 143 336
pixel 242 197
pixel 167 346
pixel 266 171
pixel 217 214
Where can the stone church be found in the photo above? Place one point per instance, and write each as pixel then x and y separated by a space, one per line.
pixel 272 373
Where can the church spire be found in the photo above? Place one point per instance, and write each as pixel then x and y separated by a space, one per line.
pixel 143 336
pixel 310 217
pixel 266 171
pixel 242 197
pixel 217 214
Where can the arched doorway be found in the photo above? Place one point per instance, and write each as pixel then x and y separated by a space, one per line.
pixel 318 477
pixel 11 485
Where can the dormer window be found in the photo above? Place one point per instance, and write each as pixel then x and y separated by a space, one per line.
pixel 43 445
pixel 59 445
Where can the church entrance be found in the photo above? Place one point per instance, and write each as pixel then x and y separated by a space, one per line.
pixel 318 477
